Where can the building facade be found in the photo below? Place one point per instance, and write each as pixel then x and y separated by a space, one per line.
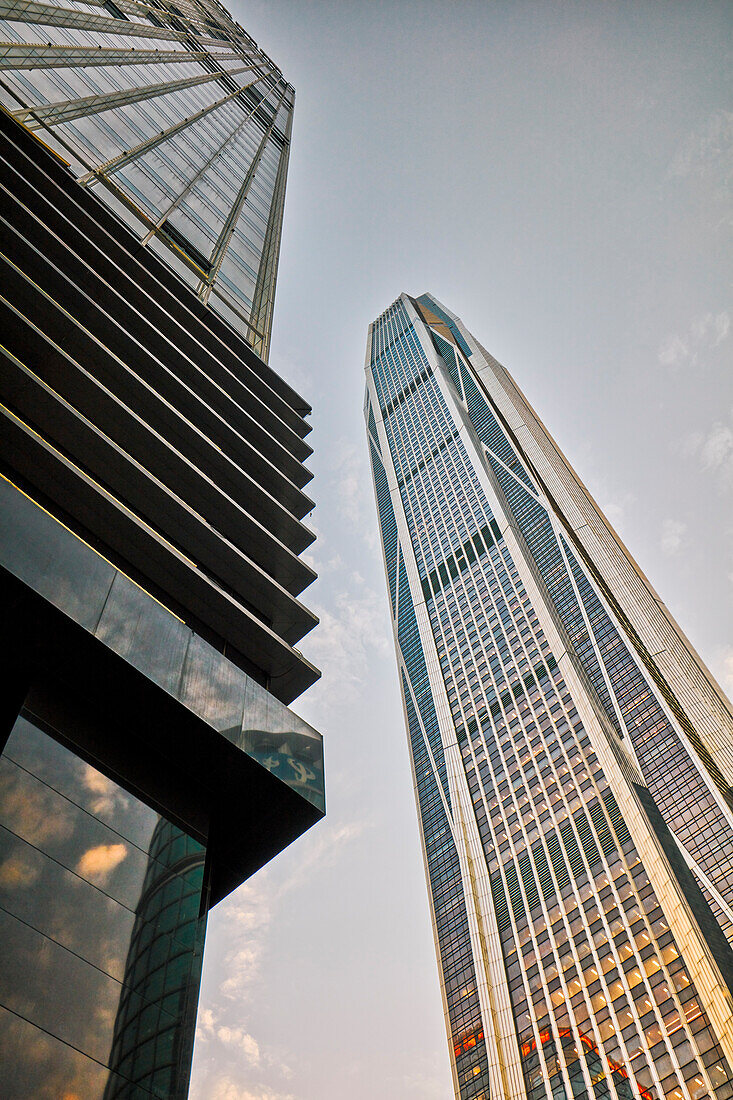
pixel 572 756
pixel 176 119
pixel 152 497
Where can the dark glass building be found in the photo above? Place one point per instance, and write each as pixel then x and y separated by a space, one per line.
pixel 572 756
pixel 152 493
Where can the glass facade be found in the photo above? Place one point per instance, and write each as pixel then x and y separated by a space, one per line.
pixel 173 115
pixel 152 501
pixel 575 815
pixel 103 920
pixel 103 899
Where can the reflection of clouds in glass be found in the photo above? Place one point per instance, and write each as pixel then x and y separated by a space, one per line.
pixel 16 873
pixel 48 1069
pixel 97 864
pixel 60 993
pixel 66 937
pixel 60 904
pixel 39 819
pixel 106 795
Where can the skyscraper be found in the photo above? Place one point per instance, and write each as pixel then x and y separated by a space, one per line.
pixel 177 120
pixel 152 493
pixel 572 756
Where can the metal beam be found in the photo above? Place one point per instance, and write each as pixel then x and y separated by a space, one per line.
pixel 262 299
pixel 202 171
pixel 128 155
pixel 51 114
pixel 222 244
pixel 28 11
pixel 187 11
pixel 47 55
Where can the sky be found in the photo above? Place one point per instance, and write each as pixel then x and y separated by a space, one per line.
pixel 559 175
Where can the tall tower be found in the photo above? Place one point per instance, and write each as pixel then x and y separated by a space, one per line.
pixel 176 119
pixel 572 756
pixel 152 498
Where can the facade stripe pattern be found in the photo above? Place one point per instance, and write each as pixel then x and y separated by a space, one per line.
pixel 542 715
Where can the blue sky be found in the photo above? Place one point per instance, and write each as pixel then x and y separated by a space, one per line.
pixel 559 174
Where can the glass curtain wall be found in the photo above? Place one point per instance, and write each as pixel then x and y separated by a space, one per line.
pixel 102 931
pixel 579 958
pixel 178 120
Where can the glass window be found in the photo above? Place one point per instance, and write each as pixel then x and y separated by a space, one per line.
pixel 101 929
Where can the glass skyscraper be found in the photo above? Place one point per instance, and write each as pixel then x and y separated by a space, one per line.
pixel 152 497
pixel 173 116
pixel 572 757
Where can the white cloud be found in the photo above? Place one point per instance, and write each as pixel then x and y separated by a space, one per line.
pixel 353 487
pixel 712 328
pixel 107 796
pixel 707 151
pixel 615 511
pixel 224 1088
pixel 97 864
pixel 672 536
pixel 357 626
pixel 324 850
pixel 18 872
pixel 237 1036
pixel 672 351
pixel 717 446
pixel 248 914
pixel 249 918
pixel 705 332
pixel 714 449
pixel 222 1030
pixel 231 1047
pixel 243 968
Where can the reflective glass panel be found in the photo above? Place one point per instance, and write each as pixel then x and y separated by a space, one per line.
pixel 100 920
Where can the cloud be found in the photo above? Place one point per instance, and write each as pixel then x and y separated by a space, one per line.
pixel 235 1050
pixel 224 1088
pixel 97 864
pixel 106 795
pixel 714 449
pixel 713 328
pixel 717 446
pixel 250 914
pixel 615 511
pixel 243 968
pixel 208 1029
pixel 353 489
pixel 706 151
pixel 672 536
pixel 355 628
pixel 672 350
pixel 40 817
pixel 324 850
pixel 225 1044
pixel 18 872
pixel 705 332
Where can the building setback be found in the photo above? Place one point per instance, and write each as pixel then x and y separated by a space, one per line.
pixel 152 496
pixel 572 756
